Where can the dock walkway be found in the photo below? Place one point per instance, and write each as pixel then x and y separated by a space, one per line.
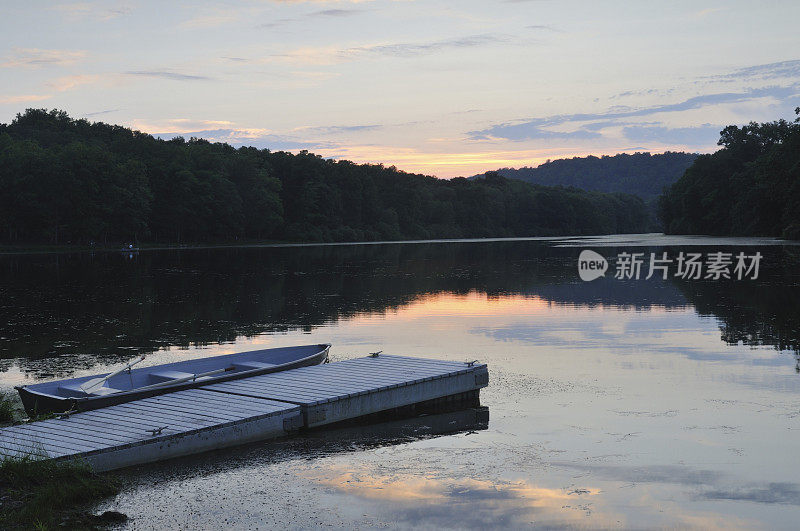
pixel 237 412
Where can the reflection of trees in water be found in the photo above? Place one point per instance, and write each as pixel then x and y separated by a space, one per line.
pixel 76 310
pixel 638 295
pixel 79 309
pixel 751 315
pixel 763 312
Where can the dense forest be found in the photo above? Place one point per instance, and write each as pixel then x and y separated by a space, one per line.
pixel 641 174
pixel 750 187
pixel 69 181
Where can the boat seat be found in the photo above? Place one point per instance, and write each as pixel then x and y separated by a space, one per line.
pixel 250 365
pixel 72 389
pixel 103 391
pixel 165 376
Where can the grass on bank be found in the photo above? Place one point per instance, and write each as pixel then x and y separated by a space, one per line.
pixel 45 494
pixel 8 407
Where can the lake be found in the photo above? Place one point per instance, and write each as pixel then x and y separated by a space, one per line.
pixel 612 403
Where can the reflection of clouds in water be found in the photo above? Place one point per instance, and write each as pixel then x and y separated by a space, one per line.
pixel 673 332
pixel 469 503
pixel 711 484
pixel 681 475
pixel 550 334
pixel 432 501
pixel 781 493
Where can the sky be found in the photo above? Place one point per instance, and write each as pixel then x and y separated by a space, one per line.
pixel 440 88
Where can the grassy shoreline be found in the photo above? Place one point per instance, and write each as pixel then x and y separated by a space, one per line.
pixel 40 493
pixel 37 493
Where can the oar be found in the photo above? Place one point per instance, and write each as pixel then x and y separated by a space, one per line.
pixel 181 380
pixel 94 382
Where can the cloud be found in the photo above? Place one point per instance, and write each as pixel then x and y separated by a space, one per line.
pixel 335 13
pixel 644 92
pixel 414 49
pixel 783 69
pixel 218 16
pixel 167 74
pixel 74 8
pixel 210 20
pixel 336 129
pixel 184 126
pixel 538 127
pixel 121 11
pixel 68 82
pixel 328 55
pixel 705 134
pixel 23 98
pixel 325 13
pixel 79 10
pixel 98 113
pixel 543 27
pixel 36 57
pixel 309 75
pixel 332 55
pixel 705 12
pixel 322 1
pixel 529 131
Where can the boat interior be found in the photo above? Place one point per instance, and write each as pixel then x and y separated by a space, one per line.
pixel 199 369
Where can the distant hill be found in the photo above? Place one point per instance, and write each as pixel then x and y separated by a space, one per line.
pixel 641 174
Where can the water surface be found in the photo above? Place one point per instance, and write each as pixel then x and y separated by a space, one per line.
pixel 614 403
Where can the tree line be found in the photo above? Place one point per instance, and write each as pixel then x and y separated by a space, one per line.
pixel 71 181
pixel 749 187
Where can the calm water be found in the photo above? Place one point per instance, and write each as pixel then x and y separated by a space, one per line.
pixel 612 403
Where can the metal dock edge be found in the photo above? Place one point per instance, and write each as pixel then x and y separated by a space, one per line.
pixel 248 410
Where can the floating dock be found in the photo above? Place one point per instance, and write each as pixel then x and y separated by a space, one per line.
pixel 242 411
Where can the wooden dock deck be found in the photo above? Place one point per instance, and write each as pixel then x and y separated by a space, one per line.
pixel 242 411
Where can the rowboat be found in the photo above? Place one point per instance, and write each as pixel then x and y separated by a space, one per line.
pixel 127 384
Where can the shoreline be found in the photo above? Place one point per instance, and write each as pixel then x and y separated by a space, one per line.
pixel 624 239
pixel 63 249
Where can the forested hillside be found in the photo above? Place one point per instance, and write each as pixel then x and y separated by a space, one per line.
pixel 68 181
pixel 749 187
pixel 642 174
